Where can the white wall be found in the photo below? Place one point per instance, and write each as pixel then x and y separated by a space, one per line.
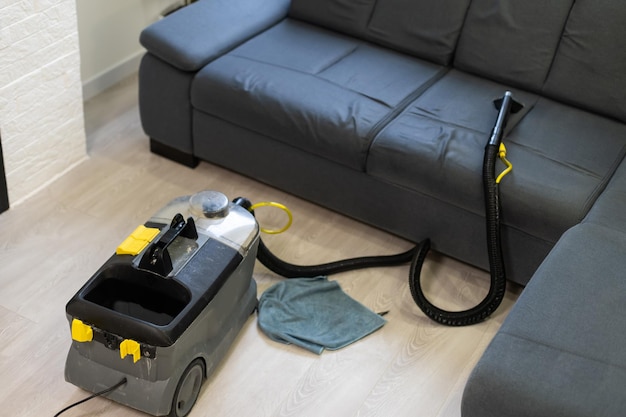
pixel 109 39
pixel 41 104
pixel 43 72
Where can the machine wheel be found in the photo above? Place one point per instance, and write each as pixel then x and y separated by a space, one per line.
pixel 188 389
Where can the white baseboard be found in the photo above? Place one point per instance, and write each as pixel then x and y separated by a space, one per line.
pixel 111 76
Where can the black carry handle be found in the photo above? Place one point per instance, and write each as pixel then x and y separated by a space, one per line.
pixel 157 258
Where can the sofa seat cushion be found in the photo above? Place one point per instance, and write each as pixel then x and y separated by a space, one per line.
pixel 560 352
pixel 318 91
pixel 561 164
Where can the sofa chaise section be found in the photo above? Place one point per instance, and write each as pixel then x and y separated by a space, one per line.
pixel 560 352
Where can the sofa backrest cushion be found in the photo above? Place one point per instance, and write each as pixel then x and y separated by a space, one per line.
pixel 589 69
pixel 346 16
pixel 512 41
pixel 427 29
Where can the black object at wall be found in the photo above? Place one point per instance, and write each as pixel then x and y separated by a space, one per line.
pixel 4 193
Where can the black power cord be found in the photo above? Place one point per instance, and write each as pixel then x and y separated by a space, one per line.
pixel 97 394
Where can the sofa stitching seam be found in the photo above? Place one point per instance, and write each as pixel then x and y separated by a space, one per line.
pixel 398 109
pixel 570 352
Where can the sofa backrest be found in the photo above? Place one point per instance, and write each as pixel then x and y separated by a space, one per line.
pixel 589 68
pixel 570 50
pixel 512 41
pixel 427 29
pixel 346 16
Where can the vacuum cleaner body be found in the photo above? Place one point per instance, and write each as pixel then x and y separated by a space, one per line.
pixel 164 309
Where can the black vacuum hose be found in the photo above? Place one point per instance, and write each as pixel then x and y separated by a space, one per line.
pixel 497 286
pixel 418 254
pixel 288 270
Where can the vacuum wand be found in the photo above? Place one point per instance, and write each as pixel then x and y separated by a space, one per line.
pixel 505 106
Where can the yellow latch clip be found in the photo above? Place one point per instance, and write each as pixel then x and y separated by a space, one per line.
pixel 137 240
pixel 130 347
pixel 81 332
pixel 509 165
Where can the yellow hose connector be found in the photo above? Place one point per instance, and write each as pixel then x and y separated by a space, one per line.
pixel 509 165
pixel 279 206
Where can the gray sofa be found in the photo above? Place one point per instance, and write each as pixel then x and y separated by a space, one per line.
pixel 380 109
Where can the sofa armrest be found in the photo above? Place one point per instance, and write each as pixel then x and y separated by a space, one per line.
pixel 195 35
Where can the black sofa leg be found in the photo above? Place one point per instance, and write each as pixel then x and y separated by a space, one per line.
pixel 173 154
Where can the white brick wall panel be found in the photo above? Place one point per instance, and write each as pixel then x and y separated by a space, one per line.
pixel 56 84
pixel 34 129
pixel 37 127
pixel 40 163
pixel 9 35
pixel 41 113
pixel 41 5
pixel 36 49
pixel 12 11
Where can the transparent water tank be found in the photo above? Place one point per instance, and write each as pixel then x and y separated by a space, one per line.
pixel 215 217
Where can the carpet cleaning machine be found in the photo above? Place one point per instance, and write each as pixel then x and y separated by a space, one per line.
pixel 161 313
pixel 158 317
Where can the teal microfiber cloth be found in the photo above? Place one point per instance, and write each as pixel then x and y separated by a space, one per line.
pixel 315 314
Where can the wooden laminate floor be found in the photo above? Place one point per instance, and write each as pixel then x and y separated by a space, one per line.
pixel 52 243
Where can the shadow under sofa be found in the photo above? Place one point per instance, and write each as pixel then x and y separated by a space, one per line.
pixel 381 110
